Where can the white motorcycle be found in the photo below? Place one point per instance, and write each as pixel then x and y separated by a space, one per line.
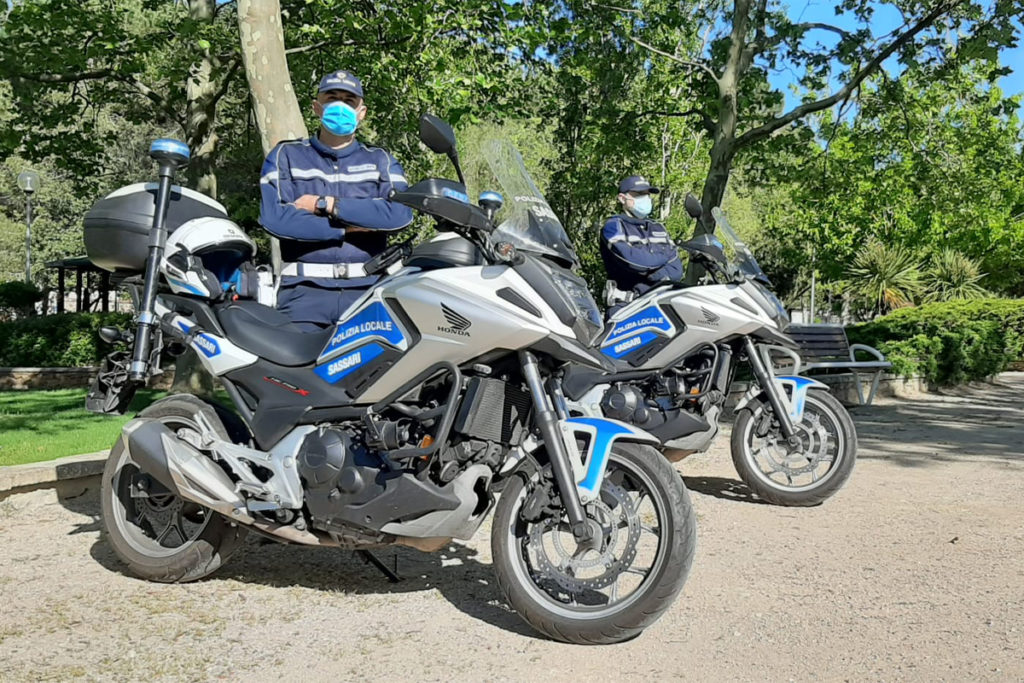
pixel 676 351
pixel 434 392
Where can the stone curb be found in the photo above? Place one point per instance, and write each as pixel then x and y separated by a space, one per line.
pixel 16 478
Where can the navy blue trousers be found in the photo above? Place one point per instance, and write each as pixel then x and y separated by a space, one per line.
pixel 313 308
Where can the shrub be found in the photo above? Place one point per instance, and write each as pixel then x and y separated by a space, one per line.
pixel 67 340
pixel 950 342
pixel 17 298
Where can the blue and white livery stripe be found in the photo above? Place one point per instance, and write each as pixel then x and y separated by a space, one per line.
pixel 650 318
pixel 203 343
pixel 601 433
pixel 626 345
pixel 797 394
pixel 373 321
pixel 345 364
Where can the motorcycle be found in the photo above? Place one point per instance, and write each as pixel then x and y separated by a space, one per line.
pixel 435 392
pixel 677 350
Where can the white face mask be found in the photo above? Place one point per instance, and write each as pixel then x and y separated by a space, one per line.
pixel 641 206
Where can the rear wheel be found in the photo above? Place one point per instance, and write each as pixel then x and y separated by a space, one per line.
pixel 609 592
pixel 802 476
pixel 161 536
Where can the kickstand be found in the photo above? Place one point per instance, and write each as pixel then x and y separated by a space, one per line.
pixel 370 558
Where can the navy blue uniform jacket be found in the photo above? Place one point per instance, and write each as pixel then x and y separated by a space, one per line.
pixel 360 179
pixel 638 253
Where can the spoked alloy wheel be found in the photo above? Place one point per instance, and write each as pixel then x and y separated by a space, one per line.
pixel 801 476
pixel 618 585
pixel 161 536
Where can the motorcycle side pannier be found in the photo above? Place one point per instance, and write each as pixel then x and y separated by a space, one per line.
pixel 117 226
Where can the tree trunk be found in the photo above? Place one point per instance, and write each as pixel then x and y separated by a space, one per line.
pixel 723 147
pixel 201 92
pixel 274 104
pixel 276 108
pixel 721 154
pixel 190 377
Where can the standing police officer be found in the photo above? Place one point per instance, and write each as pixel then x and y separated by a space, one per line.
pixel 326 200
pixel 637 251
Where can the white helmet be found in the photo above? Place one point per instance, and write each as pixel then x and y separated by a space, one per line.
pixel 202 257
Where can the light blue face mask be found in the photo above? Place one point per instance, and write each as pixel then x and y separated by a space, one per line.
pixel 339 118
pixel 641 206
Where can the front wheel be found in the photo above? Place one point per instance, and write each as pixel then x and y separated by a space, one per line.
pixel 802 476
pixel 613 590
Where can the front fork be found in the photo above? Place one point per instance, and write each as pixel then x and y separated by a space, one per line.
pixel 776 398
pixel 561 465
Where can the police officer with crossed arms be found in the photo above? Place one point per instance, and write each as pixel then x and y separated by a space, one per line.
pixel 326 199
pixel 637 251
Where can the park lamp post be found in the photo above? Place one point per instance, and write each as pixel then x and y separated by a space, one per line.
pixel 28 181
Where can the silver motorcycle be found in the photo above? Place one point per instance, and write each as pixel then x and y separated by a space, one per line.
pixel 677 350
pixel 433 394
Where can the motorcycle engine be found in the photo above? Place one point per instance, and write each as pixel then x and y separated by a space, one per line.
pixel 656 411
pixel 625 402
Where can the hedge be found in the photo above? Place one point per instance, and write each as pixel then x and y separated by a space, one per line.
pixel 949 343
pixel 57 341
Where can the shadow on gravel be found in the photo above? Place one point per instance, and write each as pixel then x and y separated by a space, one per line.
pixel 455 572
pixel 720 487
pixel 981 423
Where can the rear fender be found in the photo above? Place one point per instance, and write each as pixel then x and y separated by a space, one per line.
pixel 599 434
pixel 794 392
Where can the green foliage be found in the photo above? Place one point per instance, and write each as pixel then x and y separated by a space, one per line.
pixel 885 277
pixel 17 298
pixel 931 159
pixel 949 343
pixel 951 276
pixel 66 340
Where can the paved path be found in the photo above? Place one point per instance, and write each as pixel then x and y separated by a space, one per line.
pixel 914 571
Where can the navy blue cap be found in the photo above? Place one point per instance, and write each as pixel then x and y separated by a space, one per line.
pixel 341 80
pixel 637 183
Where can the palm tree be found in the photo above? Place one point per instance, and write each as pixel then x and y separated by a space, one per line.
pixel 952 276
pixel 885 276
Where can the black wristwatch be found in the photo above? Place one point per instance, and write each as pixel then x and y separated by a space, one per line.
pixel 321 206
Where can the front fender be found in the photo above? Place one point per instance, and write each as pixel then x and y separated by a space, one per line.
pixel 795 397
pixel 600 434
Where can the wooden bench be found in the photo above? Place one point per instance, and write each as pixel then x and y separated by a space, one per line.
pixel 825 347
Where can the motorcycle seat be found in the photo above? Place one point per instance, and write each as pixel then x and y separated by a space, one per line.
pixel 269 334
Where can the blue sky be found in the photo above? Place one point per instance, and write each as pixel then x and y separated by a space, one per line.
pixel 885 20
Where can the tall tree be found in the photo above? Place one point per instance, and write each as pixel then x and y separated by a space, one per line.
pixel 145 61
pixel 274 103
pixel 748 38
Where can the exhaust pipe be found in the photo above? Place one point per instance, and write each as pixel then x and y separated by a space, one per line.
pixel 182 469
pixel 187 473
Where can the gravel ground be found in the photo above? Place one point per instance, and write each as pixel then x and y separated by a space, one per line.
pixel 912 572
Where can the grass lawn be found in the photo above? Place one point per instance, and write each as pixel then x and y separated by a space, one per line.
pixel 43 425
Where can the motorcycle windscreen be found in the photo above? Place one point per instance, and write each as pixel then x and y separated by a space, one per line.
pixel 526 220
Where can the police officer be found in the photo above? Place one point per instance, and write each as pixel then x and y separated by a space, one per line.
pixel 637 251
pixel 326 200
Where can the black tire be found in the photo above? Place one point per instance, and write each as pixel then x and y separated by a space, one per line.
pixel 821 406
pixel 587 624
pixel 215 537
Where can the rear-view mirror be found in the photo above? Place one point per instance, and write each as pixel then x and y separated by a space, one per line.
pixel 437 134
pixel 693 206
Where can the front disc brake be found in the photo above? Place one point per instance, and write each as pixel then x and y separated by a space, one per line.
pixel 564 565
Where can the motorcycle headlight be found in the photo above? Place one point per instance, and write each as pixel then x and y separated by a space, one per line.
pixel 588 317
